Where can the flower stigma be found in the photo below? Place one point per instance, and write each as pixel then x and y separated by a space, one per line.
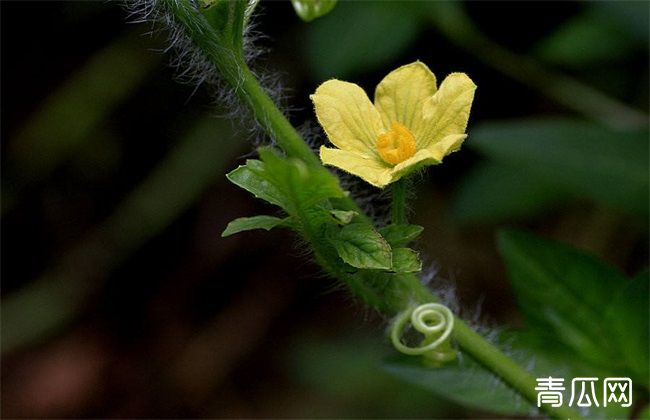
pixel 396 145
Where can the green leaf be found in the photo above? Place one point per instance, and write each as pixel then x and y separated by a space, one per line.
pixel 400 235
pixel 494 192
pixel 582 158
pixel 343 217
pixel 628 318
pixel 250 223
pixel 553 360
pixel 358 37
pixel 309 10
pixel 464 382
pixel 303 187
pixel 359 245
pixel 287 183
pixel 563 293
pixel 253 178
pixel 587 39
pixel 405 260
pixel 631 16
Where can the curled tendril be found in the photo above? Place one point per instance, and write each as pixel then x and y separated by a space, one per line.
pixel 435 322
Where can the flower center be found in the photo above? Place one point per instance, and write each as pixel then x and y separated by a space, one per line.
pixel 396 145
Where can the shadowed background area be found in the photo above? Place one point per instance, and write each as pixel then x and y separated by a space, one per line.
pixel 121 299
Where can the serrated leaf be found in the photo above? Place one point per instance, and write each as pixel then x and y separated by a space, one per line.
pixel 287 183
pixel 628 318
pixel 494 192
pixel 464 381
pixel 253 178
pixel 343 216
pixel 250 223
pixel 309 10
pixel 585 159
pixel 400 235
pixel 359 245
pixel 562 292
pixel 302 186
pixel 405 260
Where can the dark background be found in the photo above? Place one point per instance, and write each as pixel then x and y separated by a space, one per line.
pixel 128 301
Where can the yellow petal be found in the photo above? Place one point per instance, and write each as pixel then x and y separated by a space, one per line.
pixel 400 96
pixel 447 111
pixel 349 119
pixel 446 145
pixel 430 156
pixel 368 168
pixel 422 158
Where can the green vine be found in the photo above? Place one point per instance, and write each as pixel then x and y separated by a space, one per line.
pixel 384 275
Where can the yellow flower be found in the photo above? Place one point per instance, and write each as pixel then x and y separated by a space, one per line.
pixel 411 124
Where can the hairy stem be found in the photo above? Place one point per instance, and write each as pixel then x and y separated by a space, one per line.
pixel 501 365
pixel 273 121
pixel 398 207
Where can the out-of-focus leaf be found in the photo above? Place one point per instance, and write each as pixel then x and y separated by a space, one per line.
pixel 494 192
pixel 347 371
pixel 586 159
pixel 632 16
pixel 563 293
pixel 553 360
pixel 43 307
pixel 359 36
pixel 67 118
pixel 628 318
pixel 309 10
pixel 362 247
pixel 400 235
pixel 588 38
pixel 406 260
pixel 174 185
pixel 251 223
pixel 464 382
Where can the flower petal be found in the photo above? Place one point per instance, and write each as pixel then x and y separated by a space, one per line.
pixel 400 96
pixel 447 111
pixel 369 169
pixel 430 156
pixel 349 119
pixel 422 158
pixel 446 145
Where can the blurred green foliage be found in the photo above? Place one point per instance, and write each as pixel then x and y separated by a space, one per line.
pixel 464 382
pixel 496 192
pixel 573 305
pixel 359 37
pixel 309 10
pixel 543 160
pixel 346 369
pixel 51 302
pixel 72 114
pixel 590 38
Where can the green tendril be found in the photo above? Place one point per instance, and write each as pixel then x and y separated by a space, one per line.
pixel 436 323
